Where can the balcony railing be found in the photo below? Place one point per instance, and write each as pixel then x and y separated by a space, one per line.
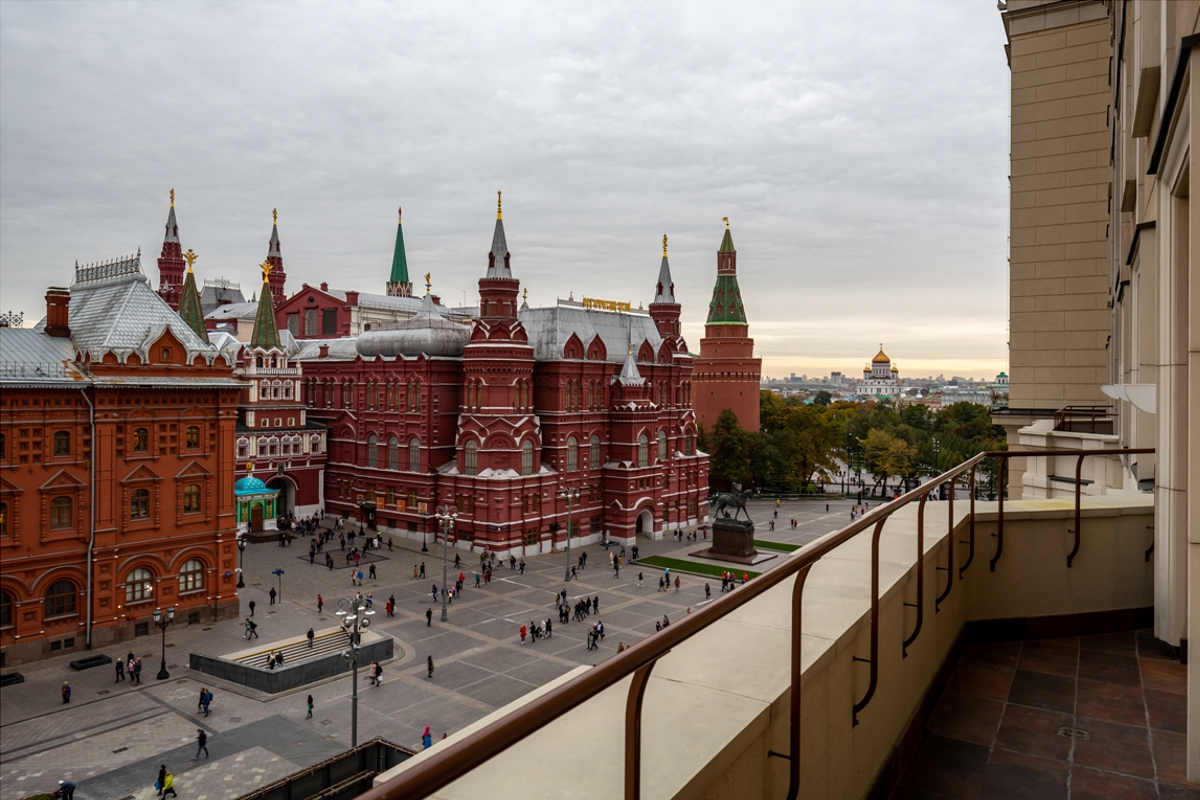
pixel 452 760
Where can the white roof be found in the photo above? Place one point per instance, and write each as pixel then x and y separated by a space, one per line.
pixel 550 328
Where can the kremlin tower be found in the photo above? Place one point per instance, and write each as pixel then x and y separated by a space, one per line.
pixel 170 262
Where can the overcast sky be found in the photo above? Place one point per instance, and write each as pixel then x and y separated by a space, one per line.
pixel 860 151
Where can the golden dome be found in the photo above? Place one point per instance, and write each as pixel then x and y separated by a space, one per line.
pixel 881 357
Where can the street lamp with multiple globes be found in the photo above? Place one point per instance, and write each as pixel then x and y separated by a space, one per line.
pixel 572 494
pixel 355 615
pixel 446 516
pixel 241 546
pixel 163 621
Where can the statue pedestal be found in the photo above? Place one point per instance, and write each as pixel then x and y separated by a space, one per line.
pixel 733 541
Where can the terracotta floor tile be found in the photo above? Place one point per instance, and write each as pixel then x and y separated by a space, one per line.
pixel 1168 711
pixel 1034 731
pixel 1109 667
pixel 1164 675
pixel 1005 653
pixel 1150 646
pixel 1092 784
pixel 1169 791
pixel 982 679
pixel 946 767
pixel 1069 642
pixel 1111 702
pixel 1170 758
pixel 1052 659
pixel 1117 748
pixel 966 718
pixel 1014 775
pixel 1051 692
pixel 1122 644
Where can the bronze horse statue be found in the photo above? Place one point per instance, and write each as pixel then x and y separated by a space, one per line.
pixel 735 500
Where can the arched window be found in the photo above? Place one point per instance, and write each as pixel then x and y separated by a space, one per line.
pixel 594 458
pixel 60 599
pixel 414 455
pixel 314 444
pixel 139 504
pixel 572 454
pixel 6 610
pixel 61 513
pixel 310 322
pixel 191 498
pixel 62 444
pixel 643 451
pixel 191 438
pixel 258 362
pixel 372 445
pixel 689 444
pixel 141 441
pixel 3 519
pixel 191 577
pixel 471 457
pixel 139 586
pixel 527 457
pixel 393 453
pixel 293 325
pixel 662 445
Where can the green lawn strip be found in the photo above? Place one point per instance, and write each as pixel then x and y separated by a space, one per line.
pixel 781 546
pixel 692 567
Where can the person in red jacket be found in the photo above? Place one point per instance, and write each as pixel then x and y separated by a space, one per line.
pixel 524 631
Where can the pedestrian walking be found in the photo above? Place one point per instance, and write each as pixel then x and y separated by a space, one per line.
pixel 426 739
pixel 429 618
pixel 320 603
pixel 422 570
pixel 707 590
pixel 66 690
pixel 66 790
pixel 429 664
pixel 457 561
pixel 250 632
pixel 311 636
pixel 252 608
pixel 522 642
pixel 677 583
pixel 168 783
pixel 272 594
pixel 206 701
pixel 162 777
pixel 640 579
pixel 414 572
pixel 120 670
pixel 310 707
pixel 201 743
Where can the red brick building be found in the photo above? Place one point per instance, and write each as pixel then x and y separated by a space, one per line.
pixel 503 414
pixel 116 441
pixel 727 375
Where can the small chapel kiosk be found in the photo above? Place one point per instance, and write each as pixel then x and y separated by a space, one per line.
pixel 255 503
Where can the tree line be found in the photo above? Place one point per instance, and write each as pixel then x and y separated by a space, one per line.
pixel 801 447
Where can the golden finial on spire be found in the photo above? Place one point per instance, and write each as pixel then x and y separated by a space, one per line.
pixel 664 245
pixel 172 198
pixel 249 467
pixel 525 294
pixel 266 267
pixel 274 216
pixel 499 212
pixel 726 219
pixel 190 257
pixel 428 283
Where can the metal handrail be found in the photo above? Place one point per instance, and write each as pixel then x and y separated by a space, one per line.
pixel 452 760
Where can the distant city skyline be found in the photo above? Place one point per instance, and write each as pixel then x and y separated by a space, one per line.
pixel 865 206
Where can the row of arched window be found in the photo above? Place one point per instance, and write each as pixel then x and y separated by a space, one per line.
pixel 574 396
pixel 271 446
pixel 412 456
pixel 385 396
pixel 274 390
pixel 62 598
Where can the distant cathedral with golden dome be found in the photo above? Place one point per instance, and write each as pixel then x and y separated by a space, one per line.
pixel 881 378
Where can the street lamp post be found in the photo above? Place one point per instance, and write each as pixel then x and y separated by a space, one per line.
pixel 355 616
pixel 572 495
pixel 278 573
pixel 162 622
pixel 241 546
pixel 446 516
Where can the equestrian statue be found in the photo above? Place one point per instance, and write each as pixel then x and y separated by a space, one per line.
pixel 735 500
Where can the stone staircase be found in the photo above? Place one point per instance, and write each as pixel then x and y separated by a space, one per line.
pixel 330 640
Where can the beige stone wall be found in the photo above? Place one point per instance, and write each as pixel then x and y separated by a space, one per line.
pixel 1058 316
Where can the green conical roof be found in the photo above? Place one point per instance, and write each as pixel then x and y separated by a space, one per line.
pixel 189 306
pixel 266 331
pixel 726 306
pixel 727 242
pixel 399 260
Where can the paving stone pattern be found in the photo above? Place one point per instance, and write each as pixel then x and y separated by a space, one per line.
pixel 256 738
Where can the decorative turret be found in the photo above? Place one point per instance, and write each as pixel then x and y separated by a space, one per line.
pixel 275 259
pixel 665 310
pixel 399 284
pixel 266 330
pixel 170 261
pixel 726 305
pixel 189 300
pixel 498 289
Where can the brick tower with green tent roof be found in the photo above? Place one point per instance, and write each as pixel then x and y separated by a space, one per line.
pixel 189 300
pixel 727 375
pixel 266 329
pixel 398 284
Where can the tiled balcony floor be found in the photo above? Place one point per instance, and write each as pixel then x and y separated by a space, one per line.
pixel 1000 728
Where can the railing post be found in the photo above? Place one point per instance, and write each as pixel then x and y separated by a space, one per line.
pixel 1078 513
pixel 971 525
pixel 797 673
pixel 919 605
pixel 633 731
pixel 874 659
pixel 999 514
pixel 949 554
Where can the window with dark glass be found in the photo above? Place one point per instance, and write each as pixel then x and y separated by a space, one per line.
pixel 61 513
pixel 60 599
pixel 6 609
pixel 191 577
pixel 139 586
pixel 62 444
pixel 329 321
pixel 191 437
pixel 471 457
pixel 141 440
pixel 139 504
pixel 191 498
